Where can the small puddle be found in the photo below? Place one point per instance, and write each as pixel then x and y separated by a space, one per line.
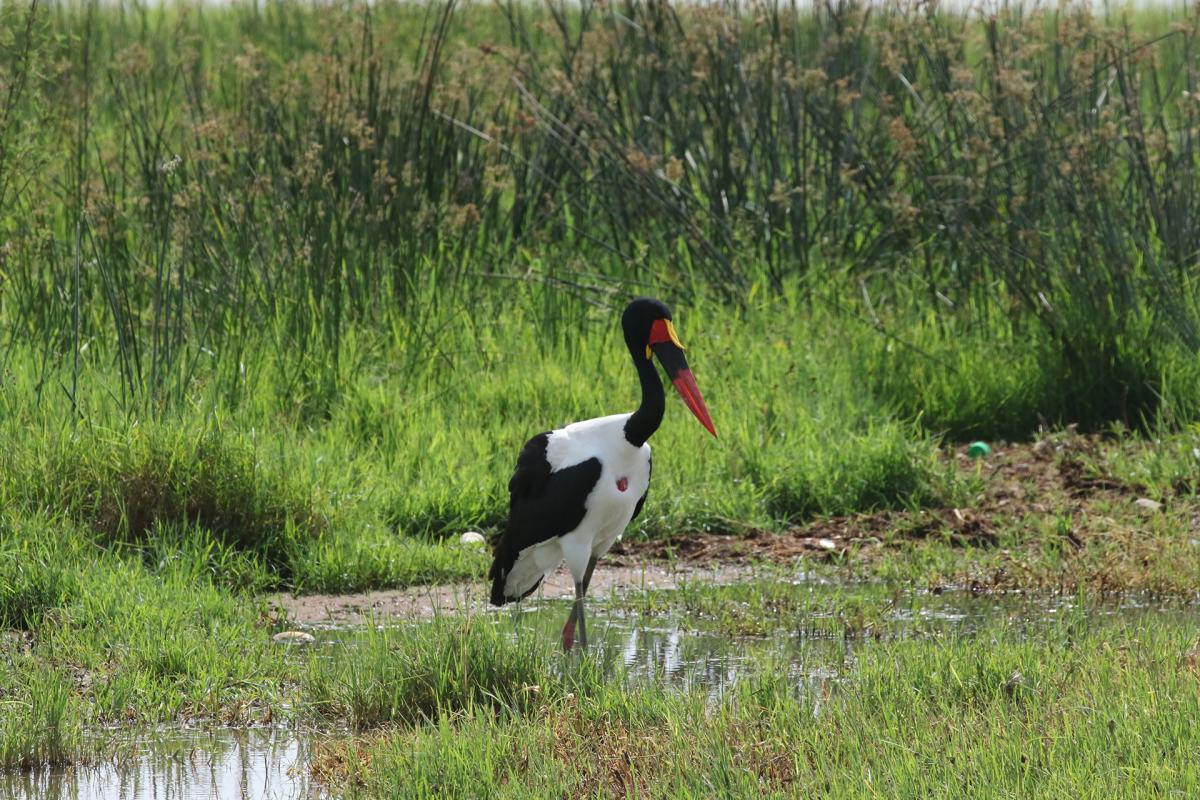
pixel 698 653
pixel 690 655
pixel 254 764
pixel 647 638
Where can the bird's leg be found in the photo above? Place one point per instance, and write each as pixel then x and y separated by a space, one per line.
pixel 576 615
pixel 587 576
pixel 580 590
pixel 577 609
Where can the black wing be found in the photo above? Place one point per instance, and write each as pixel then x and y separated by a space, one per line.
pixel 642 500
pixel 543 504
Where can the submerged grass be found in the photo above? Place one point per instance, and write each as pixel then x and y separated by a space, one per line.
pixel 996 712
pixel 38 726
pixel 776 602
pixel 451 706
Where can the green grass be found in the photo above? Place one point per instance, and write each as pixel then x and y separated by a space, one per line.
pixel 1083 709
pixel 137 639
pixel 363 496
pixel 263 203
pixel 1111 548
pixel 140 640
pixel 40 727
pixel 302 295
pixel 285 287
pixel 422 673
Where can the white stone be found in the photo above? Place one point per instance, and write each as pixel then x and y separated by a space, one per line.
pixel 472 537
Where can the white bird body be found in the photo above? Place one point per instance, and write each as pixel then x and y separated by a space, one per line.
pixel 576 489
pixel 609 508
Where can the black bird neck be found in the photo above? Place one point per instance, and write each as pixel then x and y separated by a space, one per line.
pixel 645 421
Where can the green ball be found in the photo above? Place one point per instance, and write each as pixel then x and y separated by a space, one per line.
pixel 979 450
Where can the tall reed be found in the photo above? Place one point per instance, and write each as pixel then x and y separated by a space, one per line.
pixel 197 187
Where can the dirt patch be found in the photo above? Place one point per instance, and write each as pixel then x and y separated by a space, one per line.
pixel 424 602
pixel 824 539
pixel 1056 474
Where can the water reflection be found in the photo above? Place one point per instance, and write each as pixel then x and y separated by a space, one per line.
pixel 181 765
pixel 682 653
pixel 659 643
pixel 694 654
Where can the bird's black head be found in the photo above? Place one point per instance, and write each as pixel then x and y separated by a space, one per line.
pixel 649 332
pixel 640 315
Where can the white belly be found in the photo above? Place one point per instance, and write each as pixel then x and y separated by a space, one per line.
pixel 609 510
pixel 609 507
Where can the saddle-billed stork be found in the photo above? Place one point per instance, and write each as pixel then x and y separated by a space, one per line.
pixel 576 489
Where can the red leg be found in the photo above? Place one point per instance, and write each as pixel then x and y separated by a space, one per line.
pixel 568 632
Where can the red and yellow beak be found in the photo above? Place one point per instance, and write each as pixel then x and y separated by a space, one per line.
pixel 665 344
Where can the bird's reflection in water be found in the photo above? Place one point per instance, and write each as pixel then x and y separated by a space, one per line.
pixel 664 650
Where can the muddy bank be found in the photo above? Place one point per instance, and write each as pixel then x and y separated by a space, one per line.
pixel 1104 535
pixel 1059 476
pixel 423 602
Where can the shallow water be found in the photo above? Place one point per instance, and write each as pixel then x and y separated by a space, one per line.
pixel 221 764
pixel 694 653
pixel 642 640
pixel 684 653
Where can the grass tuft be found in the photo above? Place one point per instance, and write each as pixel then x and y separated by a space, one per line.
pixel 39 728
pixel 128 487
pixel 432 671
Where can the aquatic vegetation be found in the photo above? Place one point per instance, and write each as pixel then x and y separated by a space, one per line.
pixel 994 711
